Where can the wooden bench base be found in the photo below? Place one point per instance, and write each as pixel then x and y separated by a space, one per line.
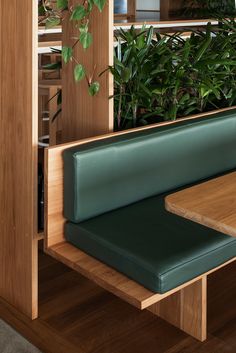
pixel 184 307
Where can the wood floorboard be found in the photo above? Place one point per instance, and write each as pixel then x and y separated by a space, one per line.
pixel 76 316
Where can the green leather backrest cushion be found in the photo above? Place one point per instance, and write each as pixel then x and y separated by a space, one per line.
pixel 108 174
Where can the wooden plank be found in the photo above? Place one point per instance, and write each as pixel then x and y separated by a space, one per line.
pixel 18 154
pixel 186 309
pixel 112 280
pixel 83 115
pixel 212 203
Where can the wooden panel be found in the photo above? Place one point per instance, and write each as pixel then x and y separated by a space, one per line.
pixel 131 8
pixel 18 154
pixel 186 309
pixel 114 281
pixel 212 203
pixel 85 116
pixel 169 7
pixel 73 310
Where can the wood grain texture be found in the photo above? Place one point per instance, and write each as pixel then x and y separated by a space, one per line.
pixel 112 280
pixel 212 203
pixel 131 8
pixel 77 316
pixel 186 309
pixel 56 246
pixel 83 115
pixel 18 154
pixel 169 7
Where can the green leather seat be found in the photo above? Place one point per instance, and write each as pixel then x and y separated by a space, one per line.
pixel 108 174
pixel 114 213
pixel 150 245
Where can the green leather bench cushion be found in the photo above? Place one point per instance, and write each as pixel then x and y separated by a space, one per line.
pixel 105 175
pixel 152 246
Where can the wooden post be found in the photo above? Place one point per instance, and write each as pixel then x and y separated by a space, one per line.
pixel 131 8
pixel 169 7
pixel 186 309
pixel 82 115
pixel 18 154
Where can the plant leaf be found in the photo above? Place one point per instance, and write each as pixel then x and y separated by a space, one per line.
pixel 78 13
pixel 94 88
pixel 79 72
pixel 62 4
pixel 100 4
pixel 67 53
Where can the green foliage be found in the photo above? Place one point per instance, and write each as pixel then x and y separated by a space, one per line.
pixel 67 54
pixel 94 88
pixel 80 16
pixel 166 77
pixel 62 4
pixel 79 72
pixel 208 8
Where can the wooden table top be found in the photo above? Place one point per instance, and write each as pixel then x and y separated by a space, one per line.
pixel 211 203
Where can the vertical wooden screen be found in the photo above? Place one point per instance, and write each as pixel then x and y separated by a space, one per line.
pixel 18 154
pixel 82 115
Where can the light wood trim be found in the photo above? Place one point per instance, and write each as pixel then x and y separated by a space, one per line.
pixel 165 24
pixel 212 203
pixel 186 309
pixel 40 236
pixel 52 43
pixel 82 115
pixel 50 83
pixel 18 154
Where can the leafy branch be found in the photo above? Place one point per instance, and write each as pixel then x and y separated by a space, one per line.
pixel 80 15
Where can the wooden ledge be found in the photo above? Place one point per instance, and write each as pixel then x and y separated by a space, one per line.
pixel 112 280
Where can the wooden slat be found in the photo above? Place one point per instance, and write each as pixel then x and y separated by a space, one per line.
pixel 18 154
pixel 212 203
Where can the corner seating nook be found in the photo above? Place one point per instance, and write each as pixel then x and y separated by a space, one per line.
pixel 106 217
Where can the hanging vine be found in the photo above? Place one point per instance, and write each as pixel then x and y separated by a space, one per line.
pixel 53 13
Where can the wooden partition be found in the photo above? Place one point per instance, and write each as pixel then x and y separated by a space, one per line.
pixel 184 306
pixel 18 154
pixel 84 116
pixel 169 7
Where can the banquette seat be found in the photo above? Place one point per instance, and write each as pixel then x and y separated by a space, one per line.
pixel 113 201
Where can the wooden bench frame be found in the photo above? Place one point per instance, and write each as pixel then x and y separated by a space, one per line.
pixel 185 306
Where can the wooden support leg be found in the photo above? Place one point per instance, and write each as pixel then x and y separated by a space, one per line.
pixel 186 309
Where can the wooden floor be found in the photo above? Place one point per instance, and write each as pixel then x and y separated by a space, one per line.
pixel 76 316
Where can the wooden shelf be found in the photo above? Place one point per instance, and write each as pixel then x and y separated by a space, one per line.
pixel 40 235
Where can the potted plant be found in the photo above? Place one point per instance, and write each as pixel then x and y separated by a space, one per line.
pixel 167 77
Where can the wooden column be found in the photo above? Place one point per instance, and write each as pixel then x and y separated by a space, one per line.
pixel 82 115
pixel 18 154
pixel 186 309
pixel 131 8
pixel 169 7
